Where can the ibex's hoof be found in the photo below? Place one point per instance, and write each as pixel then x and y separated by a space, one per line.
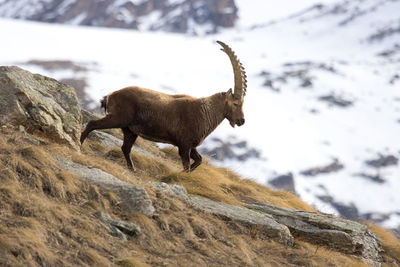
pixel 131 168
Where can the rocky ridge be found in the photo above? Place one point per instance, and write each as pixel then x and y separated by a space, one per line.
pixel 184 16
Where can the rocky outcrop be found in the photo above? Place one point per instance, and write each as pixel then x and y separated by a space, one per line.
pixel 174 16
pixel 282 224
pixel 133 198
pixel 340 234
pixel 40 104
pixel 332 167
pixel 295 72
pixel 229 148
pixel 383 161
pixel 336 100
pixel 265 223
pixel 171 190
pixel 284 182
pixel 118 228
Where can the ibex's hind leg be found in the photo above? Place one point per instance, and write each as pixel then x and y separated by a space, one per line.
pixel 129 140
pixel 107 122
pixel 196 157
pixel 185 157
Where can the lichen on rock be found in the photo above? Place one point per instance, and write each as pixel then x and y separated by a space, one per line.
pixel 41 104
pixel 340 234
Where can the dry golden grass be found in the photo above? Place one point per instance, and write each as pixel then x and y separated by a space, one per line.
pixel 390 243
pixel 223 185
pixel 47 214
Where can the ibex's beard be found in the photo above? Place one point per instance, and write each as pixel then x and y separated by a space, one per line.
pixel 232 123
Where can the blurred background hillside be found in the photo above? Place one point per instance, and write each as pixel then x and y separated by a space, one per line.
pixel 323 104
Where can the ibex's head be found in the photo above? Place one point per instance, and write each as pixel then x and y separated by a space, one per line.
pixel 234 100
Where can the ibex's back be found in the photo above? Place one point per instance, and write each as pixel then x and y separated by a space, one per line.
pixel 180 120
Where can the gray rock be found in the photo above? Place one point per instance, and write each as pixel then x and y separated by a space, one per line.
pixel 230 148
pixel 116 232
pixel 134 198
pixel 340 234
pixel 174 16
pixel 268 226
pixel 79 84
pixel 40 104
pixel 105 138
pixel 377 178
pixel 334 100
pixel 383 161
pixel 171 190
pixel 298 72
pixel 284 182
pixel 335 166
pixel 347 210
pixel 119 228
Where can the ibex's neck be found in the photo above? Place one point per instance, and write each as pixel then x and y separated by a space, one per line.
pixel 213 111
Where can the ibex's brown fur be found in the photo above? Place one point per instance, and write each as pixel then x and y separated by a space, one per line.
pixel 180 120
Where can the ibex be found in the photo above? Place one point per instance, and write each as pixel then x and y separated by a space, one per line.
pixel 180 120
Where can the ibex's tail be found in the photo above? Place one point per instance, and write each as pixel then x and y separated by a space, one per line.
pixel 103 104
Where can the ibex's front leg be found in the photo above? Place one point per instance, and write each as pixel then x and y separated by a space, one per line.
pixel 129 140
pixel 185 157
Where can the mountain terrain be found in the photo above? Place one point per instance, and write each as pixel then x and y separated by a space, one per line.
pixel 68 205
pixel 322 109
pixel 183 16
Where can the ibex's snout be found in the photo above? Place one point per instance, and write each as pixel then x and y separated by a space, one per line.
pixel 240 122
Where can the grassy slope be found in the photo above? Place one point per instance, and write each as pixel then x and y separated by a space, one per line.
pixel 46 214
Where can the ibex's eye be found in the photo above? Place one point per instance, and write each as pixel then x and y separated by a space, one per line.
pixel 235 104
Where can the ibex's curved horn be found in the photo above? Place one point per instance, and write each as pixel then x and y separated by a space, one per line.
pixel 238 71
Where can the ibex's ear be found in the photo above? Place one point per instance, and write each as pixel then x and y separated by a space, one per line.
pixel 229 91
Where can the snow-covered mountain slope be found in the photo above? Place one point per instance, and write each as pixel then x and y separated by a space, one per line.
pixel 189 16
pixel 323 98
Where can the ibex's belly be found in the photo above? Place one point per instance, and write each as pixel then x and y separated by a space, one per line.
pixel 151 134
pixel 155 139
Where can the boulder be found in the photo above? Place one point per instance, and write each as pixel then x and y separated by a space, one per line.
pixel 268 227
pixel 118 228
pixel 40 104
pixel 284 182
pixel 323 229
pixel 171 190
pixel 133 198
pixel 266 224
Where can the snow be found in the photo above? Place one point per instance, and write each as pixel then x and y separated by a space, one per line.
pixel 23 8
pixel 145 22
pixel 261 11
pixel 64 6
pixel 125 15
pixel 280 124
pixel 138 2
pixel 78 19
pixel 175 2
